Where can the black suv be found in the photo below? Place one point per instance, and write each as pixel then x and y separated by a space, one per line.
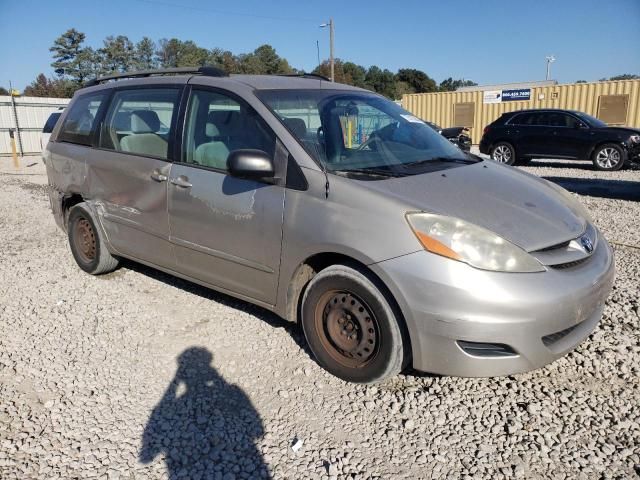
pixel 517 137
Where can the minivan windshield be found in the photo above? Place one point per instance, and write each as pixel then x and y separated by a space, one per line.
pixel 361 133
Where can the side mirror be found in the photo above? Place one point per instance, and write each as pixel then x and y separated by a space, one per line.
pixel 250 164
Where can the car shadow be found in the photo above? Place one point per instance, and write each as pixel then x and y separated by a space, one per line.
pixel 203 426
pixel 227 300
pixel 614 189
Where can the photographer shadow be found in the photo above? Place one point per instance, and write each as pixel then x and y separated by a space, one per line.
pixel 203 426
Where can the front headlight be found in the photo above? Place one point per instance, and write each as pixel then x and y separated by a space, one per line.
pixel 462 241
pixel 634 138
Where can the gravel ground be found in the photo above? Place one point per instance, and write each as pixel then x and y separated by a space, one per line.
pixel 137 375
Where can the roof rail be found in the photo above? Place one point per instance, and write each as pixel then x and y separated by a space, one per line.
pixel 206 71
pixel 317 76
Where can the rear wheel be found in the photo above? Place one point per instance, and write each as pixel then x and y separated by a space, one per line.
pixel 87 244
pixel 350 326
pixel 503 152
pixel 608 157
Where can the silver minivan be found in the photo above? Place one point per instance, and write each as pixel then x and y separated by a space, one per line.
pixel 332 207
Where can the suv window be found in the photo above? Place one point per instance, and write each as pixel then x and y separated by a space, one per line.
pixel 139 121
pixel 557 119
pixel 51 122
pixel 80 123
pixel 217 124
pixel 521 119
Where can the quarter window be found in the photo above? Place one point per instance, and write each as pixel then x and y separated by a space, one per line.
pixel 139 121
pixel 218 124
pixel 80 123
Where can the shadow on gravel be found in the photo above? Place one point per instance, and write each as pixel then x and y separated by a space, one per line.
pixel 203 426
pixel 565 164
pixel 614 189
pixel 263 314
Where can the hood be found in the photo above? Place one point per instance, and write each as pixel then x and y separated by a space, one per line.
pixel 452 131
pixel 524 209
pixel 624 130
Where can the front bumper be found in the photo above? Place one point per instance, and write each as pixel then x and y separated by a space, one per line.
pixel 445 302
pixel 633 152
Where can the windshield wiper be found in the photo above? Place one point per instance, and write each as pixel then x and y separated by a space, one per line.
pixel 427 161
pixel 370 171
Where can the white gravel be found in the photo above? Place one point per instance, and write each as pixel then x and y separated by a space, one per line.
pixel 138 375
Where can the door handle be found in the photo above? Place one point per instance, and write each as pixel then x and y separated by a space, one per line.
pixel 181 181
pixel 157 176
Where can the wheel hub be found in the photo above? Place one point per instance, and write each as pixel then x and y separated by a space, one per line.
pixel 85 240
pixel 608 157
pixel 348 329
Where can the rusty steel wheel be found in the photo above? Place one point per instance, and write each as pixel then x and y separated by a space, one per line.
pixel 347 328
pixel 85 240
pixel 351 327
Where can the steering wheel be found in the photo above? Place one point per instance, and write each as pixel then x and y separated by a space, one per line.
pixel 369 143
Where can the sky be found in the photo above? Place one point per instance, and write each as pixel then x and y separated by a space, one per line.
pixel 490 41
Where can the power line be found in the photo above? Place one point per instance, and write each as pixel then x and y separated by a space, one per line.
pixel 226 12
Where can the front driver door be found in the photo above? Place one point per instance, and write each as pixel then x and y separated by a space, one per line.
pixel 226 231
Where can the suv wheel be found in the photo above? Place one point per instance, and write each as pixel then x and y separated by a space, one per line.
pixel 350 326
pixel 503 152
pixel 87 244
pixel 608 157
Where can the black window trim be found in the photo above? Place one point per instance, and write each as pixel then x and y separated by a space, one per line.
pixel 172 128
pixel 97 120
pixel 561 112
pixel 179 150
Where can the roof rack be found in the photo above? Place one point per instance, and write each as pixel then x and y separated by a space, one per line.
pixel 206 71
pixel 317 76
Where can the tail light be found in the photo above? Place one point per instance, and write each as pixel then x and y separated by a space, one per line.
pixel 486 130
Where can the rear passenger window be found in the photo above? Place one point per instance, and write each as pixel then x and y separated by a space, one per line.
pixel 139 121
pixel 80 123
pixel 218 124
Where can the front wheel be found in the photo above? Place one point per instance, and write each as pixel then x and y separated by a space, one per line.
pixel 350 326
pixel 608 157
pixel 503 152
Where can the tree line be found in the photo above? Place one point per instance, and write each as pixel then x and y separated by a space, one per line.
pixel 74 63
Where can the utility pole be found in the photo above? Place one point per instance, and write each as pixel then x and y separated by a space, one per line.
pixel 550 59
pixel 331 57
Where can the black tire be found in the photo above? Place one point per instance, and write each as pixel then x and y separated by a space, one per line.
pixel 503 152
pixel 87 244
pixel 351 327
pixel 608 157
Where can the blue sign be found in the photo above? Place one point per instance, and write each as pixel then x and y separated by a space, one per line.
pixel 519 94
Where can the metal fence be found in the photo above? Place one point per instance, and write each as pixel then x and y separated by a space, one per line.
pixel 25 116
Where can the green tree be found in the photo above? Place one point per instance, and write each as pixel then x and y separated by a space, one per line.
pixel 415 81
pixel 116 55
pixel 176 53
pixel 225 60
pixel 625 76
pixel 4 91
pixel 450 85
pixel 264 61
pixel 581 81
pixel 344 72
pixel 144 54
pixel 47 87
pixel 381 81
pixel 71 59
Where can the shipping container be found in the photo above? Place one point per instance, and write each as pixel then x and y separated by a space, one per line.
pixel 615 102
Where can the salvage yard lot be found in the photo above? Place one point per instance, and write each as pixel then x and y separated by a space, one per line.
pixel 137 374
